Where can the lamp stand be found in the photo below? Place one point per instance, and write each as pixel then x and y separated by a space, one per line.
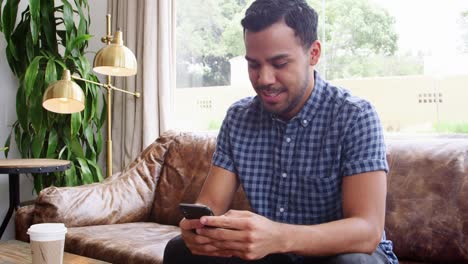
pixel 109 127
pixel 107 39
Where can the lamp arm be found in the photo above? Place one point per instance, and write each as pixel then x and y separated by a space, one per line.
pixel 136 94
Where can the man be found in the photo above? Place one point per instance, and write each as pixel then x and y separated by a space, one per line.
pixel 310 157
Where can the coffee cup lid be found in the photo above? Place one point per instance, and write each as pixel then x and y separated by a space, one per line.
pixel 47 231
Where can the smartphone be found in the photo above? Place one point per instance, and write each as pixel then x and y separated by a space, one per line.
pixel 194 211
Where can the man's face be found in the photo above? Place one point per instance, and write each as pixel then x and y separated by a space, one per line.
pixel 280 69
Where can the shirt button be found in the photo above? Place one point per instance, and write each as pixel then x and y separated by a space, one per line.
pixel 304 122
pixel 288 139
pixel 284 174
pixel 281 209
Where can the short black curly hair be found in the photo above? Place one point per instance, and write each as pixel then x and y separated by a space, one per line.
pixel 297 14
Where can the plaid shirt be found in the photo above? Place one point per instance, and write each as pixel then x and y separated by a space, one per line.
pixel 292 171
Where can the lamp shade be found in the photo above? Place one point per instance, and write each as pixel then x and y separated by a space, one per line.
pixel 64 96
pixel 115 59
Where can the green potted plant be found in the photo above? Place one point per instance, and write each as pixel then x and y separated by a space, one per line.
pixel 46 40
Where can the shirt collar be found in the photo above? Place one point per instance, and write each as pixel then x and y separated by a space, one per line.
pixel 313 104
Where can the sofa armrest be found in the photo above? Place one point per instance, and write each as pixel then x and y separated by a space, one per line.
pixel 23 220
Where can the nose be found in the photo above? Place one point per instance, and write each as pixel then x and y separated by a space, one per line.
pixel 266 76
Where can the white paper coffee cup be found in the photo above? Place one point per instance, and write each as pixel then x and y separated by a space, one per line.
pixel 47 243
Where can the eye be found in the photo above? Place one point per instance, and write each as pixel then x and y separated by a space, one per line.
pixel 253 65
pixel 280 65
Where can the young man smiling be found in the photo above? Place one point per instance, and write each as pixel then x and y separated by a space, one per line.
pixel 310 157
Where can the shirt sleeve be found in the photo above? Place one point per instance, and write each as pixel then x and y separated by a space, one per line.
pixel 222 156
pixel 364 146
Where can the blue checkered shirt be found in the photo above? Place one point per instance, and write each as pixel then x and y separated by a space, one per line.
pixel 292 170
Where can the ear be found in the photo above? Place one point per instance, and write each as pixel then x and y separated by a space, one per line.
pixel 315 51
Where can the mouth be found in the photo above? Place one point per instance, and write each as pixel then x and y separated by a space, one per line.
pixel 271 96
pixel 271 93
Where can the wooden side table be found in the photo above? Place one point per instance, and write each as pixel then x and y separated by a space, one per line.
pixel 14 251
pixel 13 167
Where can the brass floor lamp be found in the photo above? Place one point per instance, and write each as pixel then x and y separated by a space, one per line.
pixel 65 96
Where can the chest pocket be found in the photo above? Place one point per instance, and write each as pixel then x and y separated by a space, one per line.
pixel 320 168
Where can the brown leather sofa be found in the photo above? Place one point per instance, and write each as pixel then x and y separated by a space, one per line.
pixel 130 216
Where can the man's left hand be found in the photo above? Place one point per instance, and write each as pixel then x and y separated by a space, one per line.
pixel 244 234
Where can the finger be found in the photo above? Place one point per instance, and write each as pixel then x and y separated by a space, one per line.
pixel 239 223
pixel 238 213
pixel 208 249
pixel 190 224
pixel 231 245
pixel 194 239
pixel 221 234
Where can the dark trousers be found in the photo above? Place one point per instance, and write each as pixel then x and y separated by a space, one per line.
pixel 176 252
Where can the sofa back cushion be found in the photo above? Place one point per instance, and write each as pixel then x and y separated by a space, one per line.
pixel 427 199
pixel 427 195
pixel 185 167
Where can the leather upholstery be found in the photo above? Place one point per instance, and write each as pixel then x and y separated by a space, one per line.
pixel 130 243
pixel 427 200
pixel 130 216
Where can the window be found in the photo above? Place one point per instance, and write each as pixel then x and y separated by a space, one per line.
pixel 409 58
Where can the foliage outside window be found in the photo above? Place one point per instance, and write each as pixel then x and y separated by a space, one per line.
pixel 361 43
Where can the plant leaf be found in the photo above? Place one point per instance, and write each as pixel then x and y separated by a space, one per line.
pixel 60 155
pixel 51 72
pixel 61 64
pixel 35 101
pixel 68 16
pixel 52 144
pixel 21 108
pixel 71 178
pixel 9 17
pixel 69 26
pixel 86 174
pixel 17 130
pixel 80 40
pixel 99 142
pixel 8 141
pixel 48 21
pixel 31 74
pixel 1 22
pixel 38 183
pixel 12 62
pixel 34 8
pixel 103 117
pixel 25 145
pixel 75 147
pixel 38 143
pixel 30 53
pixel 97 172
pixel 90 137
pixel 75 124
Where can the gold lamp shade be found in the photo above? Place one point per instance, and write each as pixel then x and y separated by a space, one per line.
pixel 115 59
pixel 64 96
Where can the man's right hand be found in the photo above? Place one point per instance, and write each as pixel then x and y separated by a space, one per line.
pixel 198 244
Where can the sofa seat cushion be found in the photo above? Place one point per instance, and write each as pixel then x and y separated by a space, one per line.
pixel 139 242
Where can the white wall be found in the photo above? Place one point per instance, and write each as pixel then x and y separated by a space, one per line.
pixel 8 89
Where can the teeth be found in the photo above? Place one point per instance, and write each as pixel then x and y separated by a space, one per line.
pixel 272 93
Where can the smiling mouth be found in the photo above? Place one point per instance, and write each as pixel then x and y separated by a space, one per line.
pixel 271 93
